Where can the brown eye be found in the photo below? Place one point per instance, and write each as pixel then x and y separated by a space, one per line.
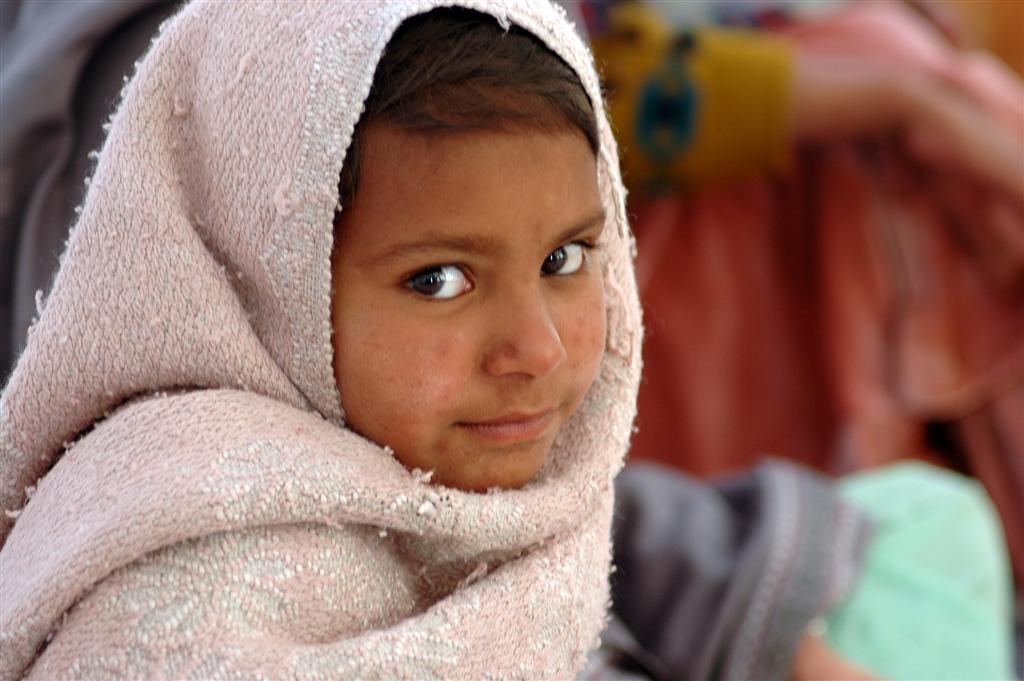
pixel 440 283
pixel 564 260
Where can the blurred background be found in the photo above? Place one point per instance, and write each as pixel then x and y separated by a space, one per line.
pixel 827 196
pixel 828 199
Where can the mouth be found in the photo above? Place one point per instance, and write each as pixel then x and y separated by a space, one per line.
pixel 510 428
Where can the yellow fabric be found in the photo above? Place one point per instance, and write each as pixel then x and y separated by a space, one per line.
pixel 735 85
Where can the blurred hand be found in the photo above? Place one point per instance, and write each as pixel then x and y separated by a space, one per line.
pixel 945 127
pixel 816 661
pixel 837 98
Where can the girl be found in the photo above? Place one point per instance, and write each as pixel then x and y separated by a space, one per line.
pixel 249 491
pixel 248 381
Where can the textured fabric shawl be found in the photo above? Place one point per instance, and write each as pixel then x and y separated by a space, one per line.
pixel 182 497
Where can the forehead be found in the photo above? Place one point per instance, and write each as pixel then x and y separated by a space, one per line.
pixel 507 186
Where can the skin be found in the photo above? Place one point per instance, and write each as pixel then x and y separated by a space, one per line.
pixel 474 386
pixel 816 661
pixel 941 125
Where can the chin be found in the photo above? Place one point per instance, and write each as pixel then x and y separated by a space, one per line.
pixel 510 477
pixel 480 468
pixel 497 482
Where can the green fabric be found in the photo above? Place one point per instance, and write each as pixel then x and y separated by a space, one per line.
pixel 934 598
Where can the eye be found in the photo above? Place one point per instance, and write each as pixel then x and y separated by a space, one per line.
pixel 565 259
pixel 440 283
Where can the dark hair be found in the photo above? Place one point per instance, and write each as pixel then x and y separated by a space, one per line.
pixel 453 69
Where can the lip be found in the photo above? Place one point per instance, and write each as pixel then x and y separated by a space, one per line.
pixel 515 427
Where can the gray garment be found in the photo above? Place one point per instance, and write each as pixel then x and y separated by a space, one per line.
pixel 719 581
pixel 61 69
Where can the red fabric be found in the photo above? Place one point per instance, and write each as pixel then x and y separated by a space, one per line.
pixel 830 317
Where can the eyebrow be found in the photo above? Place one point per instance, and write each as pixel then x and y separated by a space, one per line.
pixel 595 219
pixel 479 245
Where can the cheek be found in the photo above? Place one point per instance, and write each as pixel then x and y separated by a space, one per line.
pixel 583 333
pixel 432 364
pixel 398 370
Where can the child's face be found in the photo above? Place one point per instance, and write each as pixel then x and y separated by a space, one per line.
pixel 468 309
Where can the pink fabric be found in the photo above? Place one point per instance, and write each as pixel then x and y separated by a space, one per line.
pixel 830 315
pixel 185 498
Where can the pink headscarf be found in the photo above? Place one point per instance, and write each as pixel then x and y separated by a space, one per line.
pixel 214 517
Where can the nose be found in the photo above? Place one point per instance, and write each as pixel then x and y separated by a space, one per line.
pixel 525 339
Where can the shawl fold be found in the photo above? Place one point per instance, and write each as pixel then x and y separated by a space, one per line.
pixel 188 502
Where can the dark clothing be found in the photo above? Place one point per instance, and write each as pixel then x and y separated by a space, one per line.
pixel 720 581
